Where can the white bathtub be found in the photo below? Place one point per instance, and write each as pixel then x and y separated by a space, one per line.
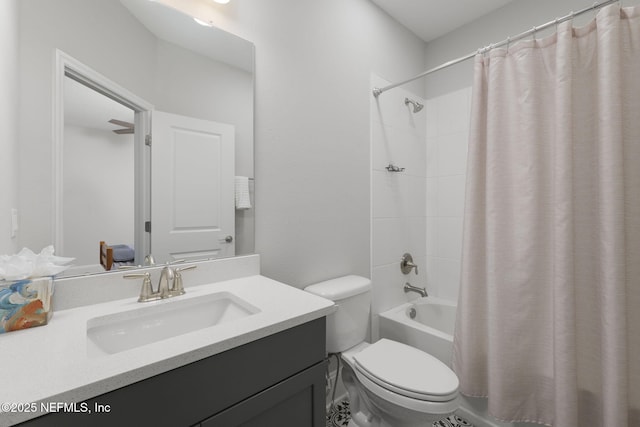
pixel 431 330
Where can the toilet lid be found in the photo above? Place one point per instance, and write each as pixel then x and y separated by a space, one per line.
pixel 407 371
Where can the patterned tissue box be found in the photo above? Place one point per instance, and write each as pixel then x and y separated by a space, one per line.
pixel 25 303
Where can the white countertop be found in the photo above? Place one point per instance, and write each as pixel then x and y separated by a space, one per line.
pixel 50 363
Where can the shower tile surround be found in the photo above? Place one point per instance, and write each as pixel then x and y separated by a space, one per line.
pixel 399 221
pixel 448 119
pixel 419 210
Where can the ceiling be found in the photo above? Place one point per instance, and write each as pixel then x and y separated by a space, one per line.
pixel 430 19
pixel 175 27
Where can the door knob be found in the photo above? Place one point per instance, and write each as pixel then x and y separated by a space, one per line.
pixel 227 239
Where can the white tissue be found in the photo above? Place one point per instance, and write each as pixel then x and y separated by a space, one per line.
pixel 26 264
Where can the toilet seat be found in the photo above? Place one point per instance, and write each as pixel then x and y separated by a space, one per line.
pixel 422 406
pixel 407 371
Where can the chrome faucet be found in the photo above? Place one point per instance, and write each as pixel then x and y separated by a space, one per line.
pixel 167 276
pixel 421 291
pixel 169 285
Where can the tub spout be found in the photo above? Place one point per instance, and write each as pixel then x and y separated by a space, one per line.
pixel 421 291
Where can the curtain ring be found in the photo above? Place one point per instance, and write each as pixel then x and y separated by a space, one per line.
pixel 508 43
pixel 535 32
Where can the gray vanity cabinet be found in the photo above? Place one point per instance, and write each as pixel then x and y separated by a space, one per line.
pixel 289 403
pixel 274 381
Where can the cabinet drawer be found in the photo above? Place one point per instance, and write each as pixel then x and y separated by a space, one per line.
pixel 295 402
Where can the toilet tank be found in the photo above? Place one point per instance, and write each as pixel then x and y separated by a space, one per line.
pixel 347 326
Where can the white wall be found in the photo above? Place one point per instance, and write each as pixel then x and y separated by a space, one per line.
pixel 8 121
pixel 98 192
pixel 192 85
pixel 313 65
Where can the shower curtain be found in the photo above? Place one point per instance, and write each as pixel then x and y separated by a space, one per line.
pixel 548 323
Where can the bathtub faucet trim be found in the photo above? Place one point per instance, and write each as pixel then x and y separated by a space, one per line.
pixel 409 288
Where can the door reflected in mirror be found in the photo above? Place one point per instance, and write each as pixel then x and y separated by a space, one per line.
pixel 98 175
pixel 177 66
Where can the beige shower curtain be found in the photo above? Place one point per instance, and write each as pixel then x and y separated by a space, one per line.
pixel 548 321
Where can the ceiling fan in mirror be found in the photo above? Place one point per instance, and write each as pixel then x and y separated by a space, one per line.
pixel 127 127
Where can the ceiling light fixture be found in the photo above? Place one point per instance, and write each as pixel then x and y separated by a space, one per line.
pixel 221 1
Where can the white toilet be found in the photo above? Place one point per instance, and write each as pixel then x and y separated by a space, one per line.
pixel 389 384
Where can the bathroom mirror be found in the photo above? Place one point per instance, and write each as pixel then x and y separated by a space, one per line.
pixel 183 69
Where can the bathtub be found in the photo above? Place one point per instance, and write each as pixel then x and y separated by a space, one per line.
pixel 430 329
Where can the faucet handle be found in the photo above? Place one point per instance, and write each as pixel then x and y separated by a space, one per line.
pixel 146 292
pixel 180 269
pixel 406 264
pixel 178 286
pixel 410 264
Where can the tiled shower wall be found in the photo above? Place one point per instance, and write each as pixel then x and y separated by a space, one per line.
pixel 398 198
pixel 447 134
pixel 419 210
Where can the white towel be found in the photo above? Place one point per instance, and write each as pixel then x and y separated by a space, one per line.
pixel 243 201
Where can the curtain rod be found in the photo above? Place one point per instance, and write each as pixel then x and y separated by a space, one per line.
pixel 377 91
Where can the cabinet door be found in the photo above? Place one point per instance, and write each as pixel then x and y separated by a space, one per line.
pixel 295 402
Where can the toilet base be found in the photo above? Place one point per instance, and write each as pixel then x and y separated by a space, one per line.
pixel 368 410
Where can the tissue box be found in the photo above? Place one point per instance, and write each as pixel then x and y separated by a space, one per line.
pixel 25 303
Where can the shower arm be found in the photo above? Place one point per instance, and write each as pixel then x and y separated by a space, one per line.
pixel 416 105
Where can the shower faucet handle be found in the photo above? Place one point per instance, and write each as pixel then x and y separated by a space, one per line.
pixel 406 264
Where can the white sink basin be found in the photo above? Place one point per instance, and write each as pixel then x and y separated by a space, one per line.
pixel 162 320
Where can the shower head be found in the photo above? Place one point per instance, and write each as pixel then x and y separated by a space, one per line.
pixel 416 105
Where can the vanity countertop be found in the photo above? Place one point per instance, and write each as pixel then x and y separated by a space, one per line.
pixel 51 363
